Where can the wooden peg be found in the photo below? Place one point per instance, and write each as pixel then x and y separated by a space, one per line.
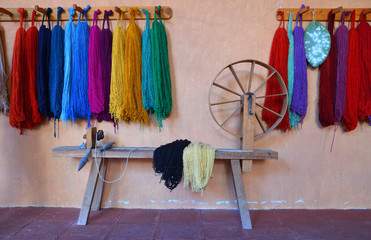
pixel 6 12
pixel 90 137
pixel 118 10
pixel 77 8
pixel 337 10
pixel 304 10
pixel 39 9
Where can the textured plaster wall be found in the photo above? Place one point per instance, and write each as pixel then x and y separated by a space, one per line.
pixel 204 36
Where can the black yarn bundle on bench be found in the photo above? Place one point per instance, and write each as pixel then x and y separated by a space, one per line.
pixel 168 161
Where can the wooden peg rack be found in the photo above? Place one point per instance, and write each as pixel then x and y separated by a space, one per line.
pixel 166 13
pixel 321 14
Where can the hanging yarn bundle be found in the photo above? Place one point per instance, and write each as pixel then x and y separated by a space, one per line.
pixel 95 89
pixel 16 115
pixel 69 42
pixel 364 31
pixel 79 102
pixel 117 73
pixel 43 58
pixel 353 79
pixel 31 107
pixel 317 43
pixel 147 80
pixel 342 39
pixel 300 92
pixel 168 161
pixel 132 108
pixel 327 82
pixel 160 70
pixel 56 74
pixel 106 64
pixel 198 162
pixel 4 102
pixel 278 60
pixel 293 117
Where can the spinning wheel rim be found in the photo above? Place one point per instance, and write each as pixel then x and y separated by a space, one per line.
pixel 244 92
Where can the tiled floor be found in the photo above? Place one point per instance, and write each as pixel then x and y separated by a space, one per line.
pixel 114 224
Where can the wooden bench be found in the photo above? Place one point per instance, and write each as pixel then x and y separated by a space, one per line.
pixel 93 193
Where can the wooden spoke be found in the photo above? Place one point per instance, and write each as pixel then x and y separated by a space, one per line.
pixel 251 74
pixel 265 81
pixel 271 111
pixel 235 77
pixel 226 120
pixel 260 123
pixel 274 95
pixel 219 103
pixel 229 90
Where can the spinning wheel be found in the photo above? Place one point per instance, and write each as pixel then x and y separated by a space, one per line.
pixel 236 101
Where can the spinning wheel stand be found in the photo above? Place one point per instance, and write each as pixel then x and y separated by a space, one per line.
pixel 246 106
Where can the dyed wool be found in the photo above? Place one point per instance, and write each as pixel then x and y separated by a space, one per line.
pixel 364 106
pixel 132 108
pixel 117 73
pixel 278 60
pixel 160 70
pixel 198 163
pixel 293 117
pixel 353 79
pixel 4 102
pixel 95 89
pixel 327 82
pixel 147 80
pixel 106 64
pixel 16 115
pixel 43 58
pixel 300 92
pixel 168 161
pixel 342 39
pixel 56 74
pixel 79 102
pixel 31 107
pixel 69 42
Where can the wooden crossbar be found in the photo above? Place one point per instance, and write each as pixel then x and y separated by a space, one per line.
pixel 93 193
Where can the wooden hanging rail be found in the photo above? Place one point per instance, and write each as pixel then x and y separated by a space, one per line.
pixel 321 14
pixel 11 14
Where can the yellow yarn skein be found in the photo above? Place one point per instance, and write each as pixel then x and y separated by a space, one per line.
pixel 132 108
pixel 198 162
pixel 117 76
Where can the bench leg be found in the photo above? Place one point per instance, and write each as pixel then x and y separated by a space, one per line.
pixel 99 189
pixel 89 193
pixel 241 195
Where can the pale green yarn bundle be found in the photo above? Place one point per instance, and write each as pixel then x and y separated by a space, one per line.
pixel 317 42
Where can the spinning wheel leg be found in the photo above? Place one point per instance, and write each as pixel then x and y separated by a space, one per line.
pixel 241 194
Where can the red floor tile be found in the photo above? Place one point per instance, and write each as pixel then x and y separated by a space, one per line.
pixel 177 229
pixel 32 238
pixel 179 216
pixel 133 230
pixel 59 215
pixel 140 216
pixel 220 216
pixel 222 230
pixel 106 216
pixel 43 229
pixel 92 230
